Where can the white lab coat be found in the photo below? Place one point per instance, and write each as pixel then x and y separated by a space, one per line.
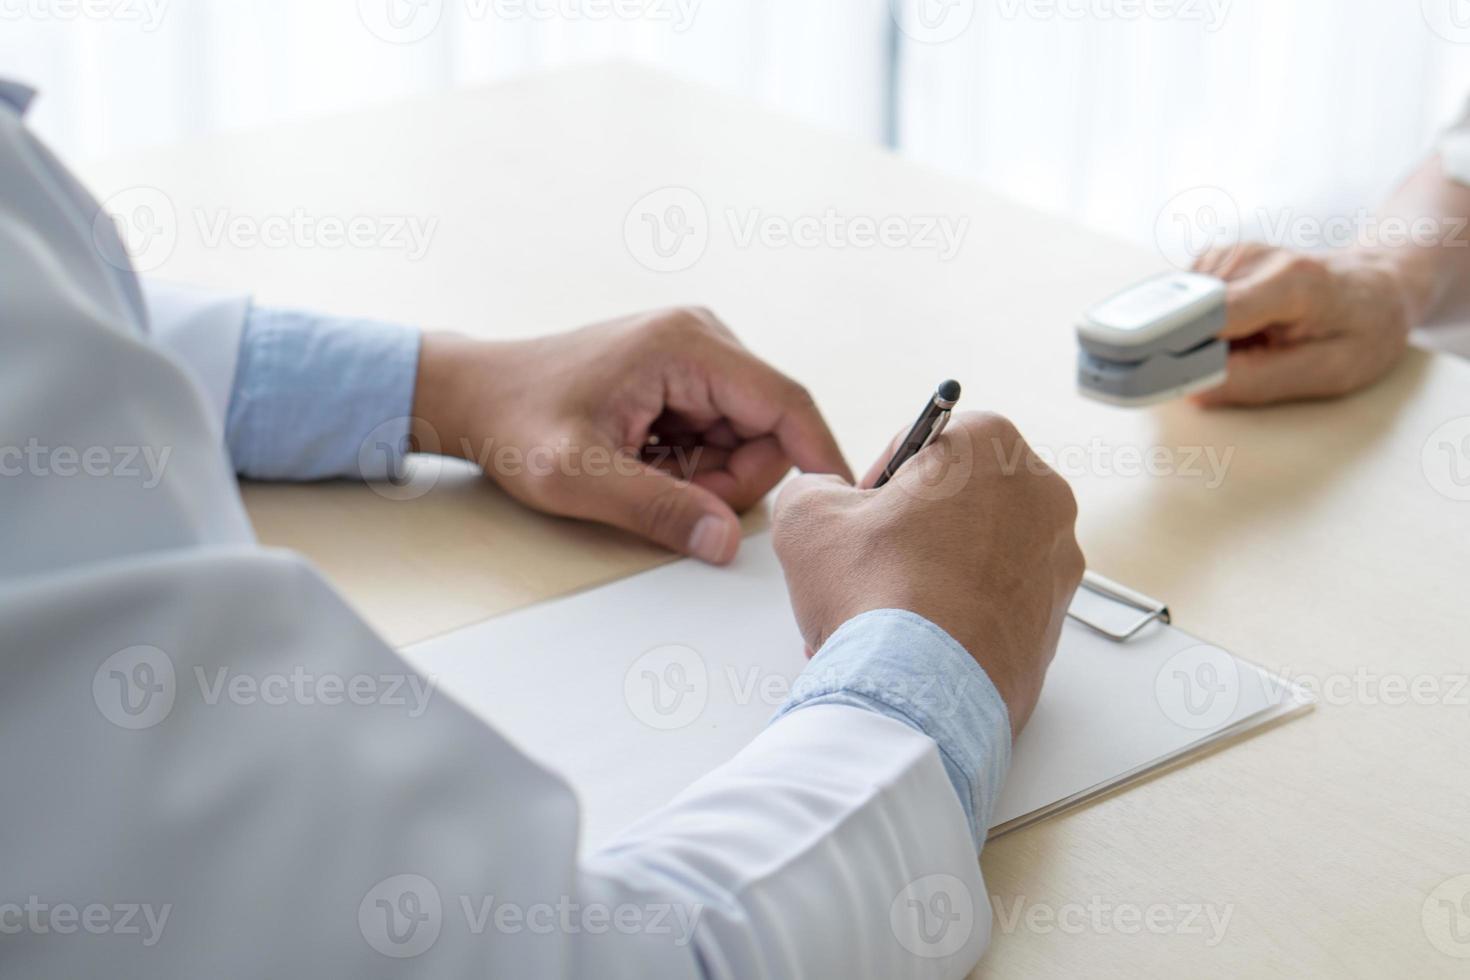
pixel 276 835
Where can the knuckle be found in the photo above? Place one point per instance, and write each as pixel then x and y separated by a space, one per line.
pixel 996 444
pixel 677 325
pixel 712 325
pixel 544 489
pixel 992 425
pixel 985 428
pixel 702 314
pixel 1247 251
pixel 1306 269
pixel 1075 565
pixel 799 397
pixel 1066 498
pixel 1344 371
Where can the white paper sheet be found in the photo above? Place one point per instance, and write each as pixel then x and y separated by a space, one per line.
pixel 635 689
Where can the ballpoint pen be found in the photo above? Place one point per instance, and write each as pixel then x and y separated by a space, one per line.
pixel 930 424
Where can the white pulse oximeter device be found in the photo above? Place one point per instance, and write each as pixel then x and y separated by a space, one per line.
pixel 1155 341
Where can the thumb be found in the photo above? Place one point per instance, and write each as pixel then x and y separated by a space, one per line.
pixel 668 511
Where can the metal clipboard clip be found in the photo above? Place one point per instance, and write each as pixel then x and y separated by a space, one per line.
pixel 1100 588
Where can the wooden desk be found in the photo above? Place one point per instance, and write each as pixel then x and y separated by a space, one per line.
pixel 1326 551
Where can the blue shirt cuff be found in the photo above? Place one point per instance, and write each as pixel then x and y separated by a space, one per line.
pixel 320 398
pixel 903 666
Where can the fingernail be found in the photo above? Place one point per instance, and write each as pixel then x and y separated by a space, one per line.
pixel 710 538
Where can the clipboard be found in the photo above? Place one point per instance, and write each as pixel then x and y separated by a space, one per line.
pixel 564 678
pixel 1129 626
pixel 1149 610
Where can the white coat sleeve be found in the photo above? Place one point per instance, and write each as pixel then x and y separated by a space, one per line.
pixel 216 768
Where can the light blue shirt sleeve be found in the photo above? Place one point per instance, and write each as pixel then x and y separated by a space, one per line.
pixel 320 398
pixel 901 665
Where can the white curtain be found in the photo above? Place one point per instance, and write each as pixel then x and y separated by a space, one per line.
pixel 1108 112
pixel 115 82
pixel 1102 109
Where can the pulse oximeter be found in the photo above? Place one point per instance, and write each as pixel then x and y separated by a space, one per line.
pixel 1155 341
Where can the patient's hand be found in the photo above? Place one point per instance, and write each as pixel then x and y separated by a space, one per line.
pixel 1303 326
pixel 975 534
pixel 662 424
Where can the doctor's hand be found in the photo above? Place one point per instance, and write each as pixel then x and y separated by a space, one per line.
pixel 662 424
pixel 1303 326
pixel 975 534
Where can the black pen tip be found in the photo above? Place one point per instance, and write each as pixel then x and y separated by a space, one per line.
pixel 950 391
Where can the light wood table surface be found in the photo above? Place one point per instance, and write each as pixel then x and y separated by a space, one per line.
pixel 1332 549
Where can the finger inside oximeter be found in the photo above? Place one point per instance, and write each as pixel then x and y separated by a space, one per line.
pixel 1160 378
pixel 1154 342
